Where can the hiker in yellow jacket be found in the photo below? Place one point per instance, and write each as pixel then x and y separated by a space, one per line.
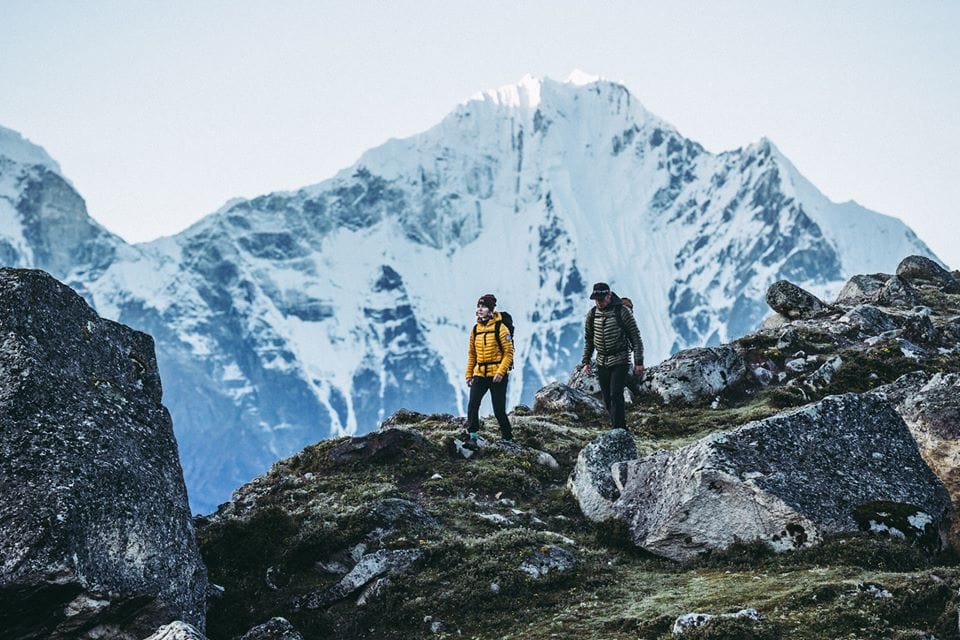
pixel 488 367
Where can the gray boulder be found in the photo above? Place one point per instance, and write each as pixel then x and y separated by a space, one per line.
pixel 552 559
pixel 273 629
pixel 560 398
pixel 689 621
pixel 898 292
pixel 845 464
pixel 919 270
pixel 369 567
pixel 177 631
pixel 695 374
pixel 95 521
pixel 792 302
pixel 591 482
pixel 871 320
pixel 932 413
pixel 583 381
pixel 862 288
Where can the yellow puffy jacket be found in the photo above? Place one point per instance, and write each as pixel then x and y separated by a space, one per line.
pixel 485 358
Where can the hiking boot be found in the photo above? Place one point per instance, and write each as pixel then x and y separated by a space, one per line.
pixel 470 441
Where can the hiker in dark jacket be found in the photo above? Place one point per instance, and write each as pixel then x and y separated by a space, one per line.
pixel 612 332
pixel 488 366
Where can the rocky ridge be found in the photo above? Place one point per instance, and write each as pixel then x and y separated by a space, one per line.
pixel 506 545
pixel 812 464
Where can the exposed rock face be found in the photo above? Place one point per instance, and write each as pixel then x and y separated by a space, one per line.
pixel 177 631
pixel 274 629
pixel 97 532
pixel 862 288
pixel 695 374
pixel 933 415
pixel 557 397
pixel 584 381
pixel 792 302
pixel 845 464
pixel 921 270
pixel 591 482
pixel 871 320
pixel 368 568
pixel 898 292
pixel 553 559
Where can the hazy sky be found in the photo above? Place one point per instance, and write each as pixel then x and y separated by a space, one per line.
pixel 159 112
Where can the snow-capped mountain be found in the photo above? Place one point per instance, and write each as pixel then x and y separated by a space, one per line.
pixel 295 316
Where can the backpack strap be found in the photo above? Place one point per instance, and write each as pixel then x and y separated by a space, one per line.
pixel 496 334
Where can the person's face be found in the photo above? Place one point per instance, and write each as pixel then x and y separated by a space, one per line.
pixel 604 301
pixel 483 312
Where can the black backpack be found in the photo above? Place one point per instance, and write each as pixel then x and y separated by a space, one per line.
pixel 506 320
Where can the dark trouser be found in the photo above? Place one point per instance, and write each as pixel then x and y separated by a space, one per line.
pixel 612 380
pixel 498 395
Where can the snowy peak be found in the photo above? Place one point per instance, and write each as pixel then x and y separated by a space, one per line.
pixel 18 149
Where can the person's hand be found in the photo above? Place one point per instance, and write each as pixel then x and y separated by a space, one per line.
pixel 587 369
pixel 638 370
pixel 469 382
pixel 497 378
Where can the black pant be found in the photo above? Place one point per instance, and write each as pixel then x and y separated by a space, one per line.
pixel 612 380
pixel 498 395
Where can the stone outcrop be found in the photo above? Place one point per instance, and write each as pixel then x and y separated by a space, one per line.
pixel 370 566
pixel 919 270
pixel 932 412
pixel 790 301
pixel 96 529
pixel 862 288
pixel 844 464
pixel 274 629
pixel 694 374
pixel 591 482
pixel 177 631
pixel 558 398
pixel 898 292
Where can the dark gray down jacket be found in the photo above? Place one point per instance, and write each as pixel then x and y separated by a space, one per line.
pixel 612 340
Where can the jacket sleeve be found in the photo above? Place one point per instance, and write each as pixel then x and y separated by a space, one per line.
pixel 507 341
pixel 587 338
pixel 633 334
pixel 471 356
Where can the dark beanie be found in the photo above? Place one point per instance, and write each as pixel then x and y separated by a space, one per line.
pixel 488 300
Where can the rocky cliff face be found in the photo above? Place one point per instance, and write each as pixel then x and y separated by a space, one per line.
pixel 97 536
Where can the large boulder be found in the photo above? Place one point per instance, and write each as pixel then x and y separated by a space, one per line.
pixel 932 413
pixel 871 320
pixel 919 270
pixel 591 481
pixel 585 381
pixel 695 374
pixel 96 528
pixel 898 292
pixel 560 398
pixel 842 465
pixel 792 302
pixel 862 288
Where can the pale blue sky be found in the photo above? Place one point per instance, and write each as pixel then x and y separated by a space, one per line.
pixel 161 111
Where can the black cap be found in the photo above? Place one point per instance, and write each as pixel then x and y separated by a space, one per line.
pixel 488 300
pixel 600 290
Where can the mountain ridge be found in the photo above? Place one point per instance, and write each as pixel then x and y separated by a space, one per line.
pixel 299 315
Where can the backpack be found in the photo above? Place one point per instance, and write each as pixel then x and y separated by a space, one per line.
pixel 506 320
